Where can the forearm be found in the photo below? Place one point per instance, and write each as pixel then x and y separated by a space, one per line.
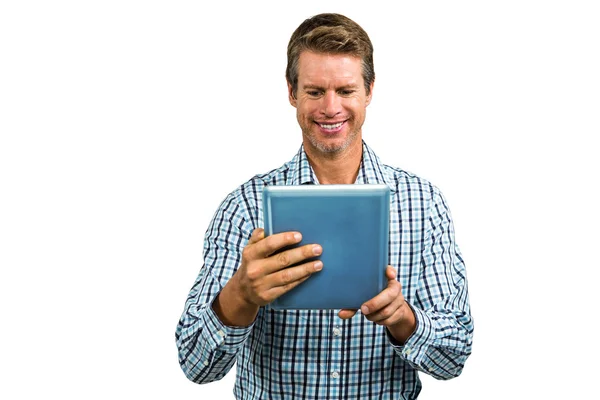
pixel 440 344
pixel 231 308
pixel 199 355
pixel 401 331
pixel 207 348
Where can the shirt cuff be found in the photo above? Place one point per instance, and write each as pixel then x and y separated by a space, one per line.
pixel 218 335
pixel 414 349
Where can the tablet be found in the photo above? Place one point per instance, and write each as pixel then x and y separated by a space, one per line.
pixel 351 223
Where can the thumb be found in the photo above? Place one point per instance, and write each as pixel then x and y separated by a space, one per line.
pixel 390 273
pixel 346 314
pixel 257 235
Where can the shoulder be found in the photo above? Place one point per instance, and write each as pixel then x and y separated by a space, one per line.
pixel 251 190
pixel 402 182
pixel 408 183
pixel 418 197
pixel 245 201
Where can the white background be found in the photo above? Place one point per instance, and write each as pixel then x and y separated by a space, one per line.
pixel 125 123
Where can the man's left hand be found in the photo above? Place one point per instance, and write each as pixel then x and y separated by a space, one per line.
pixel 389 309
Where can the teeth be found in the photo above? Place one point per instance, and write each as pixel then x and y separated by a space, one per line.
pixel 334 126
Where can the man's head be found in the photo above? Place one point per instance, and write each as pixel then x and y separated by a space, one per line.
pixel 330 34
pixel 330 82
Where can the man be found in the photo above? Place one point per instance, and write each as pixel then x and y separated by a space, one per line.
pixel 420 322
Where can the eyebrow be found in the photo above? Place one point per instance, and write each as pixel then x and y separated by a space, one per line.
pixel 311 86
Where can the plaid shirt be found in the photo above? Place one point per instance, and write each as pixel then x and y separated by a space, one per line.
pixel 313 354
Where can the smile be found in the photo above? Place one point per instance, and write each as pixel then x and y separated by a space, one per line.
pixel 331 127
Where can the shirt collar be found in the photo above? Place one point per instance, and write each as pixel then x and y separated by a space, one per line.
pixel 371 170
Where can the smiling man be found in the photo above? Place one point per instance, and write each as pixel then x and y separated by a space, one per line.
pixel 420 322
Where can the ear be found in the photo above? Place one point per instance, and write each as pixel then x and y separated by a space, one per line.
pixel 291 96
pixel 370 95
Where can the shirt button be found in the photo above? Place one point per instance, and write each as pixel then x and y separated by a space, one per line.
pixel 337 331
pixel 408 351
pixel 206 363
pixel 335 374
pixel 221 333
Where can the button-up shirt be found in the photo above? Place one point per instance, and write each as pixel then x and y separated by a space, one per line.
pixel 313 354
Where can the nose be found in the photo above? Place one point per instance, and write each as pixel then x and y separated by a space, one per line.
pixel 331 104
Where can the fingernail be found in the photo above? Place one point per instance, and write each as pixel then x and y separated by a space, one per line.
pixel 364 309
pixel 318 266
pixel 317 250
pixel 297 236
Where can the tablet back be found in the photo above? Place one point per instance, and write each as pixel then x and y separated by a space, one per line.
pixel 351 223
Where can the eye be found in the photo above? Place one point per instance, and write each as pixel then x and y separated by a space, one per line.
pixel 313 93
pixel 346 92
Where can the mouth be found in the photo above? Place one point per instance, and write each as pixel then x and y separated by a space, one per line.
pixel 331 127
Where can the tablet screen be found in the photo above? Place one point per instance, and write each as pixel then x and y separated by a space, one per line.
pixel 351 223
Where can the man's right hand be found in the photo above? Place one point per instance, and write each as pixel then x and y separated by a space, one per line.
pixel 263 275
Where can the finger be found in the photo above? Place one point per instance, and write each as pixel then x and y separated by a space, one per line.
pixel 387 315
pixel 390 272
pixel 281 290
pixel 347 314
pixel 293 256
pixel 383 299
pixel 270 244
pixel 257 235
pixel 288 276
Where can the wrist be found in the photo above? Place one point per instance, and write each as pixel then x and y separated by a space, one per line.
pixel 403 329
pixel 232 308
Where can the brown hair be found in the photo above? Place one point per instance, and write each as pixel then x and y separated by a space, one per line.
pixel 331 34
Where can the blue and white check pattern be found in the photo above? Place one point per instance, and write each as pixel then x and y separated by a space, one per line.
pixel 313 354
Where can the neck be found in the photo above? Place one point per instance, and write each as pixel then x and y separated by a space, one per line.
pixel 336 168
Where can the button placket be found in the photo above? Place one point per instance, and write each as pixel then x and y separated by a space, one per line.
pixel 336 333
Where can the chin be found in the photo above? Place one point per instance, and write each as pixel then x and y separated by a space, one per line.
pixel 331 146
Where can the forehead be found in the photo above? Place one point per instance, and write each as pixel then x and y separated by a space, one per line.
pixel 322 68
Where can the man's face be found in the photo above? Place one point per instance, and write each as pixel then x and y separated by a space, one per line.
pixel 331 101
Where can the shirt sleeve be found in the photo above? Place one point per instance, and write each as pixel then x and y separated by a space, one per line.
pixel 207 348
pixel 443 337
